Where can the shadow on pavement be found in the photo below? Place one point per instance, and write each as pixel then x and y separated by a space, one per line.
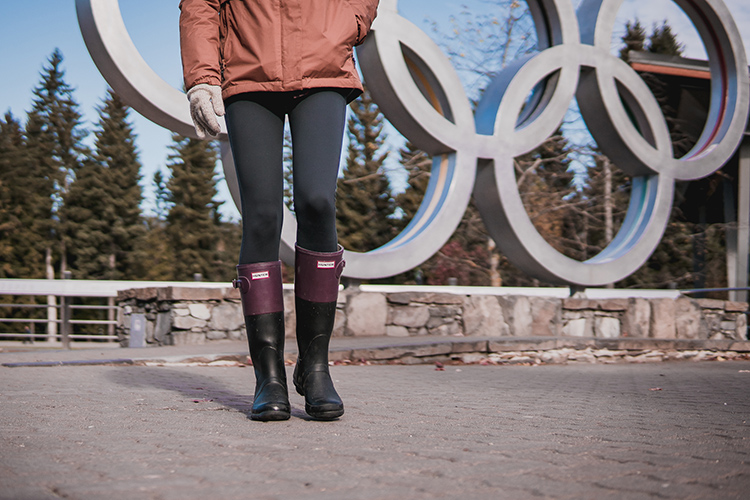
pixel 195 387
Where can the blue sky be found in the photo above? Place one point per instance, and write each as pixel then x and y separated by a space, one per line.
pixel 31 29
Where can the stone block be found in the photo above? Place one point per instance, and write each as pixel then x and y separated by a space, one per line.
pixel 181 311
pixel 576 328
pixel 606 327
pixel 711 303
pixel 431 349
pixel 339 324
pixel 200 311
pixel 636 322
pixel 438 321
pixel 613 305
pixel 142 294
pixel 437 298
pixel 574 304
pixel 689 320
pixel 162 327
pixel 730 306
pixel 740 332
pixel 546 314
pixel 396 331
pixel 216 334
pixel 447 329
pixel 403 298
pixel 409 316
pixel 662 325
pixel 728 325
pixel 175 293
pixel 445 311
pixel 469 346
pixel 366 314
pixel 290 323
pixel 517 313
pixel 150 327
pixel 226 316
pixel 188 338
pixel 187 323
pixel 483 316
pixel 231 293
pixel 240 334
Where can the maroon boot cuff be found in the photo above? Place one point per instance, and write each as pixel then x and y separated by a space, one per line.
pixel 260 287
pixel 317 274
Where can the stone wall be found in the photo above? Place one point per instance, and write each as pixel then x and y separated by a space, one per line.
pixel 197 315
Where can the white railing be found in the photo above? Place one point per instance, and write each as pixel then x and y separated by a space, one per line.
pixel 60 322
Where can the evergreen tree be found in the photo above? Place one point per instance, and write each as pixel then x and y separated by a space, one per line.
pixel 364 203
pixel 101 208
pixel 634 39
pixel 13 164
pixel 193 220
pixel 54 152
pixel 664 41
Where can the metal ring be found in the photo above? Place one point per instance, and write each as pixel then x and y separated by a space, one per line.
pixel 419 91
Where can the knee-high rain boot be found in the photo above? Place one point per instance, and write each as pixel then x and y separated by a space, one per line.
pixel 316 287
pixel 263 306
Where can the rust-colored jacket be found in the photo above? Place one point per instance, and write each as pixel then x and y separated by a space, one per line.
pixel 272 45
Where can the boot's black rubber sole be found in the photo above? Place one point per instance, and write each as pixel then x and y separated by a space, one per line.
pixel 324 414
pixel 271 415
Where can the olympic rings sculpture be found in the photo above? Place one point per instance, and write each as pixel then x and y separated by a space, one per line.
pixel 420 93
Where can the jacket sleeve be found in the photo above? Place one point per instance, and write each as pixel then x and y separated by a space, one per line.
pixel 366 10
pixel 200 42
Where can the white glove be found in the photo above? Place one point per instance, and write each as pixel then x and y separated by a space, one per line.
pixel 205 104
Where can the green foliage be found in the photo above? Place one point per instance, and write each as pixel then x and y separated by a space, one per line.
pixel 364 203
pixel 52 154
pixel 101 214
pixel 13 165
pixel 664 41
pixel 199 241
pixel 634 39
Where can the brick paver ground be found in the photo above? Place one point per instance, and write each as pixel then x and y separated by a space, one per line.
pixel 664 430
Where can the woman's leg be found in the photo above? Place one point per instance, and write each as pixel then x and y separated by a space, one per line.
pixel 317 126
pixel 256 134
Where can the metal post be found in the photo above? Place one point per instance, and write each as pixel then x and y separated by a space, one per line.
pixel 51 302
pixel 65 315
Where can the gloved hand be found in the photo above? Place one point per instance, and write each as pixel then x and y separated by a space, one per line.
pixel 205 104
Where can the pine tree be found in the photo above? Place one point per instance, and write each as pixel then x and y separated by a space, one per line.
pixel 13 171
pixel 364 203
pixel 101 209
pixel 193 217
pixel 634 39
pixel 55 152
pixel 664 41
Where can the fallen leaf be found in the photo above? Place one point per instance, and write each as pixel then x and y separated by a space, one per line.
pixel 655 389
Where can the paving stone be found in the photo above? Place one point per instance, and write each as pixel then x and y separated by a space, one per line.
pixel 512 431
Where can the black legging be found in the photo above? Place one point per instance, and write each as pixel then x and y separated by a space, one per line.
pixel 255 122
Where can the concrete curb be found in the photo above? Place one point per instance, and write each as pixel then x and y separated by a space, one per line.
pixel 383 350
